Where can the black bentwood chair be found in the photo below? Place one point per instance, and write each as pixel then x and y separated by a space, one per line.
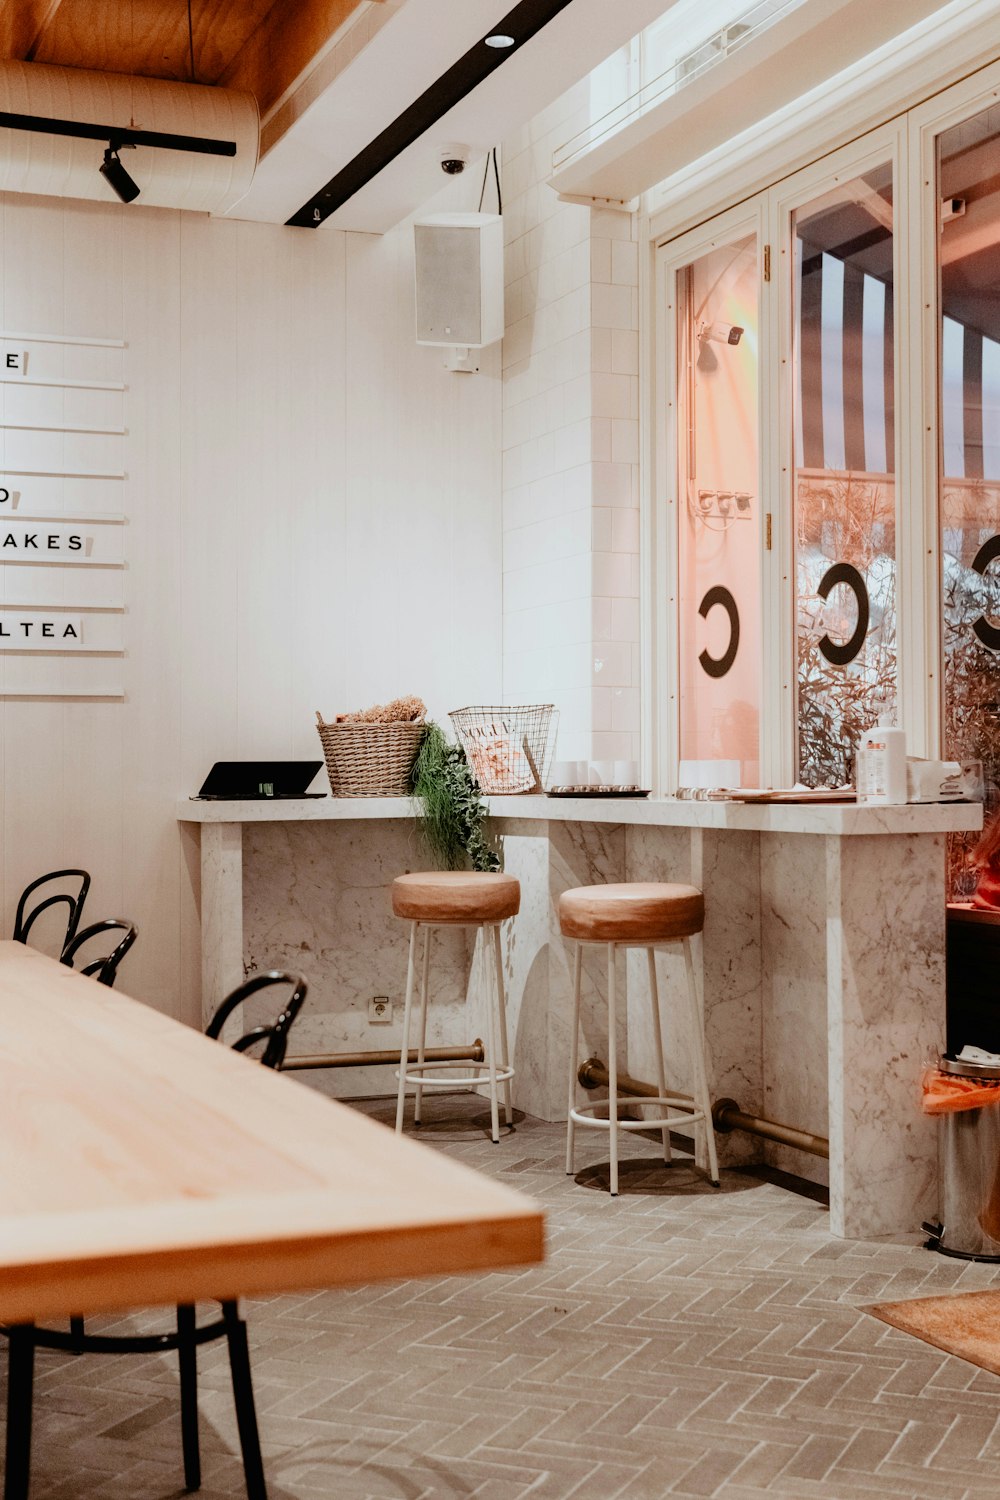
pixel 275 1036
pixel 103 968
pixel 26 1338
pixel 73 898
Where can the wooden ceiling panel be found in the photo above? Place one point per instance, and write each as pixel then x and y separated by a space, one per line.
pixel 145 37
pixel 22 23
pixel 260 45
pixel 284 45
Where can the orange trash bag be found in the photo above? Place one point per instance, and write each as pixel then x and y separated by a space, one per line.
pixel 947 1093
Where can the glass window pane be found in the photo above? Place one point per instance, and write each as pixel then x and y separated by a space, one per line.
pixel 969 258
pixel 719 517
pixel 844 494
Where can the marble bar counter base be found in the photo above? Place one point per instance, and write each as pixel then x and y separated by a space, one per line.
pixel 821 963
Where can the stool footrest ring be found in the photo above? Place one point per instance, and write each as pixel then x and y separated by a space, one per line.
pixel 416 1071
pixel 586 1115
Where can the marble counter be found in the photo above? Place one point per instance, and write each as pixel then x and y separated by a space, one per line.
pixel 821 963
pixel 838 819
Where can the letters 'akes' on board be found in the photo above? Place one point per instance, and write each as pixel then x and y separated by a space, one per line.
pixel 38 631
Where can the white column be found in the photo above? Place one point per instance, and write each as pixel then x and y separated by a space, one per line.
pixel 221 913
pixel 885 942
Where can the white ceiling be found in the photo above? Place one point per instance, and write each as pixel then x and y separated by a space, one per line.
pixel 412 48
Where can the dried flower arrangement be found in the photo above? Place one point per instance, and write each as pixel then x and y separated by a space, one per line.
pixel 408 710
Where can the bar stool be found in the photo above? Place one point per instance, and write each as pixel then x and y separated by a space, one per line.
pixel 455 898
pixel 650 916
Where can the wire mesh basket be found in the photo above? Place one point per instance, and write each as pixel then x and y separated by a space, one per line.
pixel 508 749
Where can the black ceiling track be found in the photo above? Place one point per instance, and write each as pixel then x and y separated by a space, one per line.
pixel 522 23
pixel 121 136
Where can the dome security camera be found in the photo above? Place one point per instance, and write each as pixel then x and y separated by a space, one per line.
pixel 453 159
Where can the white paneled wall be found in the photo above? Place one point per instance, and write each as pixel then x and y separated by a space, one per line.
pixel 313 509
pixel 570 451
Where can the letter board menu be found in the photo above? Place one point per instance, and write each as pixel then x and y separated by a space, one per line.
pixel 62 527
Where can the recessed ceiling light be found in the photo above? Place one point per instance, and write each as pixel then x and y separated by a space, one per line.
pixel 499 40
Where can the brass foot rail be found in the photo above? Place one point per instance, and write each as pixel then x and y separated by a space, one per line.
pixel 475 1052
pixel 726 1113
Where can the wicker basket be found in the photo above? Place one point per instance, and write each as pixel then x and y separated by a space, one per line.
pixel 508 748
pixel 370 760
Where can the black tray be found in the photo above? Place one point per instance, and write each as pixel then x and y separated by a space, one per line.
pixel 597 791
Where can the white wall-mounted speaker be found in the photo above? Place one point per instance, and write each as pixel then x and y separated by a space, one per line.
pixel 458 261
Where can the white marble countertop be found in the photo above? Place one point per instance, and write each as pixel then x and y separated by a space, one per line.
pixel 838 820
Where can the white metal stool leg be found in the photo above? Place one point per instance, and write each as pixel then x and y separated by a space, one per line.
pixel 418 1099
pixel 701 1095
pixel 661 1072
pixel 404 1055
pixel 573 1058
pixel 492 1007
pixel 613 1066
pixel 502 1020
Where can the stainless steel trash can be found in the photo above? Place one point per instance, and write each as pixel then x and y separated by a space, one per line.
pixel 969 1173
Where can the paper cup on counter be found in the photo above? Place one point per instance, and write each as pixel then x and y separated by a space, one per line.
pixel 568 773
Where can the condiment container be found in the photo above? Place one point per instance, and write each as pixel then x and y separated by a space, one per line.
pixel 881 765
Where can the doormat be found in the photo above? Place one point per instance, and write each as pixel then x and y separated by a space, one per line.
pixel 966 1324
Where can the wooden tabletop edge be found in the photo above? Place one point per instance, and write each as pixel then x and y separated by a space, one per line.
pixel 105 1283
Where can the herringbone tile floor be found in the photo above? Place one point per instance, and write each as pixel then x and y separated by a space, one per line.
pixel 678 1342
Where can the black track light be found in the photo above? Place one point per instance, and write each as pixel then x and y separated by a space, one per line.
pixel 116 176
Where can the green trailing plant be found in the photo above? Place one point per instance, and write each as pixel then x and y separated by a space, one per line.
pixel 452 823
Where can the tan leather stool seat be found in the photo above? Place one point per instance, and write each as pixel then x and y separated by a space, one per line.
pixel 458 897
pixel 639 912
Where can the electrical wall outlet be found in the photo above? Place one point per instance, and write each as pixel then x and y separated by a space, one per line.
pixel 379 1010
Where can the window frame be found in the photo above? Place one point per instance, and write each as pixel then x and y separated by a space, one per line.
pixel 664 530
pixel 883 146
pixel 769 215
pixel 925 123
pixel 909 140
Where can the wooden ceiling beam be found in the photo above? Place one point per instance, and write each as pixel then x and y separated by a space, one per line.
pixel 283 46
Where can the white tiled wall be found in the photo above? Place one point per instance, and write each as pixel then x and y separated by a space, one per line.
pixel 570 451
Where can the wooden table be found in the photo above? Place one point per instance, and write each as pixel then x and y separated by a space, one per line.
pixel 143 1164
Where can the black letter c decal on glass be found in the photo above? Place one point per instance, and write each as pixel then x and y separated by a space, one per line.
pixel 988 634
pixel 840 653
pixel 718 666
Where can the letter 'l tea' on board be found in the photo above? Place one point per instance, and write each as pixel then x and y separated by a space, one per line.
pixel 40 630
